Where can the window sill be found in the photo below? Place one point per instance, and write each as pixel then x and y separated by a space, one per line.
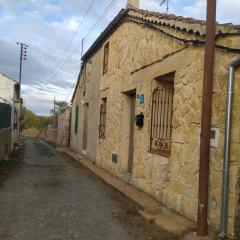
pixel 160 153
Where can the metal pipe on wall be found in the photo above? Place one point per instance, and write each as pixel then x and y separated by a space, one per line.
pixel 202 225
pixel 227 144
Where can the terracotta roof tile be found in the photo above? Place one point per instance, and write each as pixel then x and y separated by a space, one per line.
pixel 180 23
pixel 187 24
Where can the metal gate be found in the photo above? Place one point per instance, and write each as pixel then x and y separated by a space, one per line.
pixel 5 115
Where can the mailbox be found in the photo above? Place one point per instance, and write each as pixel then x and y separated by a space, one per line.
pixel 139 119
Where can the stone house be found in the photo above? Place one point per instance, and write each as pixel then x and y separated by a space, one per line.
pixel 10 113
pixel 136 109
pixel 85 108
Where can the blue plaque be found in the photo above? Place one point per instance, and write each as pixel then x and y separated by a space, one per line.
pixel 142 98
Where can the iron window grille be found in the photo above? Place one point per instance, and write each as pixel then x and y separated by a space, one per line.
pixel 161 119
pixel 103 113
pixel 105 58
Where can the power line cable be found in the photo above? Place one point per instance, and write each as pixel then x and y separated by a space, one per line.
pixel 70 42
pixel 52 58
pixel 75 33
pixel 70 91
pixel 111 4
pixel 74 50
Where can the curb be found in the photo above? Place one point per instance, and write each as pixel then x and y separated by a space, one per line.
pixel 153 210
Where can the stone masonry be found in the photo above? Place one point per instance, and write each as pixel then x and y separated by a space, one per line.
pixel 63 128
pixel 137 56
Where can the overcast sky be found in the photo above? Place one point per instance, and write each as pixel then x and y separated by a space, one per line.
pixel 47 26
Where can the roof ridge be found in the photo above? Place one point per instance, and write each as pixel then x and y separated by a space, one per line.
pixel 172 16
pixel 179 23
pixel 10 78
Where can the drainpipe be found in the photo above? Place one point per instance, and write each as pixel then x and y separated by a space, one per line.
pixel 227 144
pixel 202 225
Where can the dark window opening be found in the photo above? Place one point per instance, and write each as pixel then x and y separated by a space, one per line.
pixel 103 112
pixel 76 120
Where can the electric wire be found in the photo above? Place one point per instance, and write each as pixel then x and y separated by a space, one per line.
pixel 111 4
pixel 104 14
pixel 70 42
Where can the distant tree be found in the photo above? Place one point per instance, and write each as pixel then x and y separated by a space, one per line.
pixel 60 107
pixel 43 121
pixel 31 120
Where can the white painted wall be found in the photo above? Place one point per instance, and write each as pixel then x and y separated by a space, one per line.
pixel 7 92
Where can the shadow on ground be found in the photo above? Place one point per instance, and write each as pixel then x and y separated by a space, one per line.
pixel 47 195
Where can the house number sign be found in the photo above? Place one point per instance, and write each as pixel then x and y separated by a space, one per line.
pixel 141 98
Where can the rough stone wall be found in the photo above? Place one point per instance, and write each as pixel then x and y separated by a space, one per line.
pixel 90 85
pixel 235 160
pixel 173 180
pixel 63 129
pixel 51 134
pixel 58 132
pixel 237 213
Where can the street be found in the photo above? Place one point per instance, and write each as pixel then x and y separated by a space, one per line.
pixel 48 196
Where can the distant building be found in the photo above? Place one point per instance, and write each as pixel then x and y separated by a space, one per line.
pixel 58 131
pixel 10 110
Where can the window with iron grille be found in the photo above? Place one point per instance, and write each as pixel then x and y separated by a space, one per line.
pixel 105 58
pixel 103 112
pixel 161 119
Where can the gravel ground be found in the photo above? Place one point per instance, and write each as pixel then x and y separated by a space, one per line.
pixel 45 195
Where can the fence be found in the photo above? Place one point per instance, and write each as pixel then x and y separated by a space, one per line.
pixel 5 115
pixel 5 130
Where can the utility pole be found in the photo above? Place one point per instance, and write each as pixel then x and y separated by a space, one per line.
pixel 202 225
pixel 167 5
pixel 82 48
pixel 54 105
pixel 23 56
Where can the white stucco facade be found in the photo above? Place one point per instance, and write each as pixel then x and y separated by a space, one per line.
pixel 9 93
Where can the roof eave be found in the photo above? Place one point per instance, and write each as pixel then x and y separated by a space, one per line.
pixel 78 80
pixel 108 31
